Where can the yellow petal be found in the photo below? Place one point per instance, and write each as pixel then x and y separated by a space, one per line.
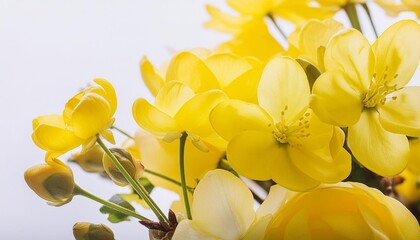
pixel 251 152
pixel 232 203
pixel 258 229
pixel 224 22
pixel 227 67
pixel 172 96
pixel 273 203
pixel 350 52
pixel 252 7
pixel 110 94
pixel 191 70
pixel 51 134
pixel 245 86
pixel 90 116
pixel 194 114
pixel 150 75
pixel 152 119
pixel 414 162
pixel 397 53
pixel 401 112
pixel 282 80
pixel 404 220
pixel 187 230
pixel 382 152
pixel 231 117
pixel 108 135
pixel 334 100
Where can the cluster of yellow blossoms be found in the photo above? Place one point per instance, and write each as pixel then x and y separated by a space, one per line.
pixel 322 125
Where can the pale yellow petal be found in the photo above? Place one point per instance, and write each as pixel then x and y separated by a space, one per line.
pixel 334 101
pixel 225 22
pixel 172 96
pixel 350 52
pixel 259 228
pixel 152 119
pixel 194 116
pixel 380 151
pixel 90 116
pixel 284 88
pixel 401 112
pixel 405 221
pixel 151 77
pixel 231 212
pixel 191 70
pixel 231 117
pixel 186 230
pixel 245 86
pixel 273 203
pixel 252 7
pixel 397 53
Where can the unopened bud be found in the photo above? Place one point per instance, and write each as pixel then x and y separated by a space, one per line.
pixel 89 231
pixel 131 165
pixel 52 181
pixel 91 160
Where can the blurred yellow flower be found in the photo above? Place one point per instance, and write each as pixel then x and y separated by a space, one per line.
pixel 52 181
pixel 223 208
pixel 282 139
pixel 409 189
pixel 90 160
pixel 343 211
pixel 87 114
pixel 363 88
pixel 395 7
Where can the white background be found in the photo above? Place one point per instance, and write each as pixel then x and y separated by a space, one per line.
pixel 49 49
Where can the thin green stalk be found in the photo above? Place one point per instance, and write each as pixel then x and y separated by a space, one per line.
pixel 190 189
pixel 80 191
pixel 351 12
pixel 273 20
pixel 182 141
pixel 122 131
pixel 365 6
pixel 136 186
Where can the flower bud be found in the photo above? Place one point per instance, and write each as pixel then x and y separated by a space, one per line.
pixel 52 181
pixel 89 231
pixel 131 165
pixel 90 160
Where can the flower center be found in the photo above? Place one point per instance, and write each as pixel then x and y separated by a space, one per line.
pixel 379 89
pixel 285 132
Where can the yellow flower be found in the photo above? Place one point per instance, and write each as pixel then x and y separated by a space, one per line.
pixel 310 39
pixel 337 4
pixel 52 181
pixel 131 165
pixel 363 88
pixel 409 190
pixel 343 211
pixel 281 139
pixel 223 208
pixel 203 70
pixel 88 113
pixel 89 231
pixel 394 7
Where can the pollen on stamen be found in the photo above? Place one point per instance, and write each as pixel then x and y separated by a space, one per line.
pixel 394 97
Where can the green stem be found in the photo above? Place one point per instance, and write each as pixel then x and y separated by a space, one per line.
pixel 273 20
pixel 182 141
pixel 137 187
pixel 122 131
pixel 351 12
pixel 80 191
pixel 190 189
pixel 365 6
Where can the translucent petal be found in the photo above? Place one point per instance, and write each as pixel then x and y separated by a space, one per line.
pixel 227 67
pixel 397 53
pixel 90 116
pixel 350 52
pixel 282 80
pixel 152 119
pixel 401 112
pixel 194 114
pixel 110 94
pixel 232 203
pixel 334 101
pixel 187 230
pixel 51 134
pixel 150 75
pixel 231 117
pixel 382 152
pixel 172 96
pixel 191 70
pixel 259 228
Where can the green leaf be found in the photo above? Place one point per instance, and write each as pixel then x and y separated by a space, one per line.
pixel 116 216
